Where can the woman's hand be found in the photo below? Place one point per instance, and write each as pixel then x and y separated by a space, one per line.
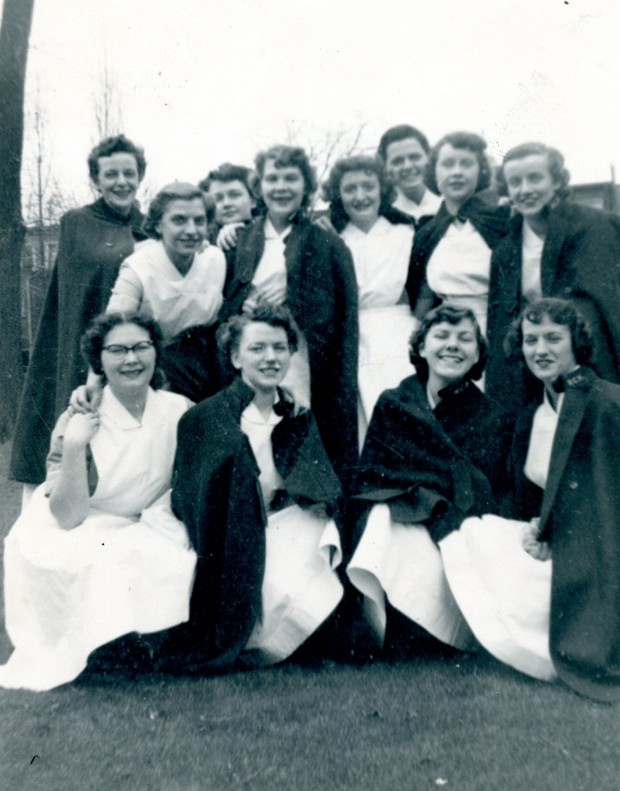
pixel 325 223
pixel 271 291
pixel 539 550
pixel 87 398
pixel 227 237
pixel 299 404
pixel 81 428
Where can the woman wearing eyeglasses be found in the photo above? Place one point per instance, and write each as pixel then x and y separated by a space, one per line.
pixel 98 554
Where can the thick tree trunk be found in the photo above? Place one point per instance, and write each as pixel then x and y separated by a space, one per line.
pixel 14 34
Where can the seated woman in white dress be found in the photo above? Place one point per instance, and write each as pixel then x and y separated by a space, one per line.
pixel 97 553
pixel 543 595
pixel 177 281
pixel 255 488
pixel 433 455
pixel 380 239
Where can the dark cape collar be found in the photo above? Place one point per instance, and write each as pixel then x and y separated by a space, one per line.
pixel 134 220
pixel 241 395
pixel 489 221
pixel 579 379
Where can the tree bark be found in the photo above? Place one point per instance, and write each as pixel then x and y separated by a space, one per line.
pixel 14 35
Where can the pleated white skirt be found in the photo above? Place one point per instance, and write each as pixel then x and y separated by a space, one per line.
pixel 503 592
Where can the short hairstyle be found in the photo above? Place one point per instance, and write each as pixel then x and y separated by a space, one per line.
pixel 228 336
pixel 559 311
pixel 178 190
pixel 93 340
pixel 469 141
pixel 555 160
pixel 452 314
pixel 287 157
pixel 228 172
pixel 331 187
pixel 119 144
pixel 397 133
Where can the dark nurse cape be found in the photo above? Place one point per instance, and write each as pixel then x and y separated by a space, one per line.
pixel 94 240
pixel 216 492
pixel 580 517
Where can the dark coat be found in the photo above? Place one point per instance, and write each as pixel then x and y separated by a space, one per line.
pixel 434 466
pixel 580 262
pixel 491 222
pixel 322 296
pixel 580 517
pixel 216 492
pixel 94 240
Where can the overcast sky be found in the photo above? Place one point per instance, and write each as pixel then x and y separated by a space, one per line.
pixel 202 81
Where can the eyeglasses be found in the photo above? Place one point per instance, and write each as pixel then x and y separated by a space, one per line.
pixel 118 351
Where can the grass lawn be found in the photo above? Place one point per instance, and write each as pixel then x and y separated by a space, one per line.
pixel 464 723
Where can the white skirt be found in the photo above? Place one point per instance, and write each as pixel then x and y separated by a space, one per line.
pixel 503 592
pixel 300 588
pixel 402 563
pixel 383 356
pixel 68 592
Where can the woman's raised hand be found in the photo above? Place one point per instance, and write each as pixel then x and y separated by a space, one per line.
pixel 87 398
pixel 539 550
pixel 227 237
pixel 81 428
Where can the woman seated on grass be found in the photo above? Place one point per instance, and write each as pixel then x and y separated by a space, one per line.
pixel 543 595
pixel 433 455
pixel 98 554
pixel 255 488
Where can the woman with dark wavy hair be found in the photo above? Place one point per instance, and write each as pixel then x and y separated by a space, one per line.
pixel 98 554
pixel 282 258
pixel 380 240
pixel 540 588
pixel 433 456
pixel 451 257
pixel 255 488
pixel 93 242
pixel 554 248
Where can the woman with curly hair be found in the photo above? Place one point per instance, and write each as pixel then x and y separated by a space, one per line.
pixel 540 588
pixel 93 242
pixel 177 281
pixel 97 554
pixel 255 488
pixel 554 248
pixel 451 257
pixel 380 240
pixel 433 456
pixel 282 258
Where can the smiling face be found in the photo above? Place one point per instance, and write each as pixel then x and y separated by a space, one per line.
pixel 118 181
pixel 233 202
pixel 183 228
pixel 360 193
pixel 282 189
pixel 530 184
pixel 128 374
pixel 450 351
pixel 263 356
pixel 405 161
pixel 548 349
pixel 457 172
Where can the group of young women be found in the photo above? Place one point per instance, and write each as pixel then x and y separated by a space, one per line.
pixel 346 441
